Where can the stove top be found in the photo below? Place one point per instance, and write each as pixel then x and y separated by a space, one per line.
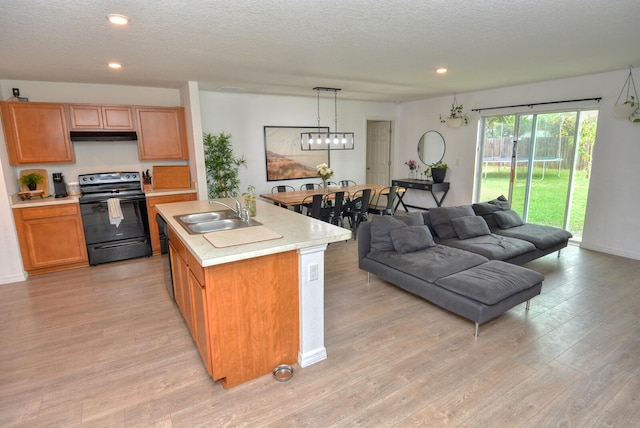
pixel 110 185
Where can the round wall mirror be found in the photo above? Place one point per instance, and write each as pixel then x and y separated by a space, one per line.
pixel 431 147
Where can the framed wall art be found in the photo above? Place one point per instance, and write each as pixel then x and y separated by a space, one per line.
pixel 284 156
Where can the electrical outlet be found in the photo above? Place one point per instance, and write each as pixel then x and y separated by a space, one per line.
pixel 313 272
pixel 16 92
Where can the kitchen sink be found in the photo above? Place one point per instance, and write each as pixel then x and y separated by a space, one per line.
pixel 213 221
pixel 207 216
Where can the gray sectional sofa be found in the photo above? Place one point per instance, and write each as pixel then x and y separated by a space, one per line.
pixel 464 259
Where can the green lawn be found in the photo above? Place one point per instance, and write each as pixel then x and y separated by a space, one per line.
pixel 548 195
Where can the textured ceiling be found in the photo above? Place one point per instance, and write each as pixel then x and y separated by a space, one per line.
pixel 385 50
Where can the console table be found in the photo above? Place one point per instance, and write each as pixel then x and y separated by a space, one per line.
pixel 426 185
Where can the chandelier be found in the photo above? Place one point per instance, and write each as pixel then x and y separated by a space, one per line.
pixel 323 140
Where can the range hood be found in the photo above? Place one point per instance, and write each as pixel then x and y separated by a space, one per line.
pixel 103 136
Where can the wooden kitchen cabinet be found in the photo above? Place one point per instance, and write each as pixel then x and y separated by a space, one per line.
pixel 161 133
pixel 244 316
pixel 51 238
pixel 200 328
pixel 152 201
pixel 180 277
pixel 36 133
pixel 86 117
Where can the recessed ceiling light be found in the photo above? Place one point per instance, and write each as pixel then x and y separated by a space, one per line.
pixel 441 70
pixel 116 19
pixel 115 65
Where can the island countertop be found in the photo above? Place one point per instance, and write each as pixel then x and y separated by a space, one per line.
pixel 297 230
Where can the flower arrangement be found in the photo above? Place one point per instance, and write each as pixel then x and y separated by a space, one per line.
pixel 411 164
pixel 324 172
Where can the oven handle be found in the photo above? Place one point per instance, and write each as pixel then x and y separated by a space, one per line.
pixel 122 244
pixel 121 198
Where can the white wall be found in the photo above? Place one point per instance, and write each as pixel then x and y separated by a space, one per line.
pixel 244 116
pixel 611 219
pixel 90 157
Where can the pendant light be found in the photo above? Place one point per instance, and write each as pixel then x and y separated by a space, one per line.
pixel 331 140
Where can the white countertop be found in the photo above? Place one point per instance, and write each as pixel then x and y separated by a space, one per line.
pixel 17 202
pixel 165 192
pixel 298 231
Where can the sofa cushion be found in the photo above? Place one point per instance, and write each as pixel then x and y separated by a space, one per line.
pixel 541 236
pixel 381 226
pixel 507 219
pixel 411 238
pixel 412 219
pixel 491 282
pixel 486 209
pixel 470 226
pixel 430 264
pixel 493 246
pixel 441 219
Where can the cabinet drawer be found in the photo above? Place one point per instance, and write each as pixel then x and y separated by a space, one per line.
pixel 48 212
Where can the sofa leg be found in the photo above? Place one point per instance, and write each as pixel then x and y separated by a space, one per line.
pixel 477 327
pixel 368 277
pixel 528 304
pixel 559 253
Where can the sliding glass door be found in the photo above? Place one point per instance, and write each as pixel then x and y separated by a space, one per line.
pixel 544 169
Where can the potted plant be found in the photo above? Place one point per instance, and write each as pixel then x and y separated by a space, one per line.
pixel 221 165
pixel 438 171
pixel 629 109
pixel 456 115
pixel 31 180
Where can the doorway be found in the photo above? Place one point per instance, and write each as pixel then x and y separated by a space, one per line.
pixel 379 149
pixel 542 163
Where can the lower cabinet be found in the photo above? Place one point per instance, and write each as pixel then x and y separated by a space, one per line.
pixel 51 237
pixel 152 201
pixel 243 316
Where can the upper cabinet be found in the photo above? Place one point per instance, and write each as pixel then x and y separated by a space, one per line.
pixel 161 133
pixel 85 117
pixel 36 133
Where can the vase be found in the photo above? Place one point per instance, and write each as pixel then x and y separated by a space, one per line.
pixel 250 203
pixel 437 174
pixel 325 187
pixel 412 174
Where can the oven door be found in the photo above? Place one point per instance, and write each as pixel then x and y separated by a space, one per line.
pixel 107 242
pixel 98 229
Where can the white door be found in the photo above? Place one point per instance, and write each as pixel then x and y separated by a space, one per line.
pixel 379 134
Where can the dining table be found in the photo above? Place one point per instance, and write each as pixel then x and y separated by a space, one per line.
pixel 295 198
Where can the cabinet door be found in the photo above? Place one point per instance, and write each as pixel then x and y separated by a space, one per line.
pixel 36 133
pixel 117 118
pixel 180 276
pixel 85 117
pixel 161 133
pixel 200 329
pixel 152 201
pixel 51 238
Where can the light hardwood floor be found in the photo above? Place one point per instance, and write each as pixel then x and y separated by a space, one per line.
pixel 105 346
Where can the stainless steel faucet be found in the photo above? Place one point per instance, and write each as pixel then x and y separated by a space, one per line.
pixel 242 215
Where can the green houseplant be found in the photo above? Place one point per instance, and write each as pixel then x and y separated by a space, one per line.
pixel 31 180
pixel 438 171
pixel 221 165
pixel 456 115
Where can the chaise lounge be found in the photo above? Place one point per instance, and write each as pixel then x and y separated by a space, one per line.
pixel 453 259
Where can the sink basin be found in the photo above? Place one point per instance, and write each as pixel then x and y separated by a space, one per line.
pixel 213 221
pixel 206 216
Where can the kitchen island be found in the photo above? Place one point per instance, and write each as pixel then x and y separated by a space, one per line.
pixel 253 306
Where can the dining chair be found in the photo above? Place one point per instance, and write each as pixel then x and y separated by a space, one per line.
pixel 311 186
pixel 312 206
pixel 356 210
pixel 283 188
pixel 384 201
pixel 345 183
pixel 332 206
